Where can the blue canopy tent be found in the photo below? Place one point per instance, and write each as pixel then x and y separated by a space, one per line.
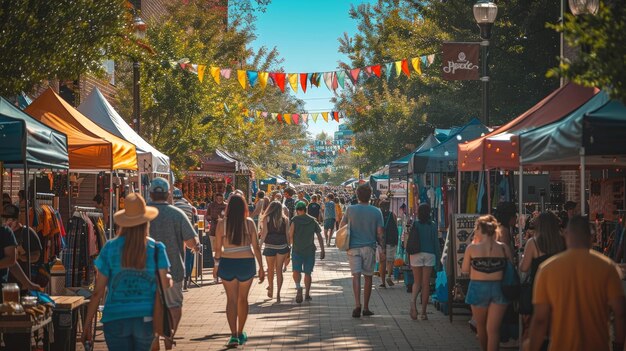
pixel 400 167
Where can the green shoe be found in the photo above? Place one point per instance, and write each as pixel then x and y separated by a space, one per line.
pixel 243 338
pixel 233 342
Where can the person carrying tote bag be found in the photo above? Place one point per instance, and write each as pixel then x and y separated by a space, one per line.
pixel 136 263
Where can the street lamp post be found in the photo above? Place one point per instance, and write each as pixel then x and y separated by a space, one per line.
pixel 485 13
pixel 140 33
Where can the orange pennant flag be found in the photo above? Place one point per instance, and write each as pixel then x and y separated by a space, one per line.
pixel 241 77
pixel 405 67
pixel 215 73
pixel 279 118
pixel 336 116
pixel 303 81
pixel 325 116
pixel 287 118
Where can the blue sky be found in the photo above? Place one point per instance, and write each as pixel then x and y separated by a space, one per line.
pixel 306 33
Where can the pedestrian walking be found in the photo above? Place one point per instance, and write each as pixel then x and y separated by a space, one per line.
pixel 236 249
pixel 423 232
pixel 302 232
pixel 290 202
pixel 275 246
pixel 366 231
pixel 329 218
pixel 126 273
pixel 573 294
pixel 172 228
pixel 192 214
pixel 391 244
pixel 485 262
pixel 314 209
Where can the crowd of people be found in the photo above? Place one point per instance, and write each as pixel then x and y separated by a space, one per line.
pixel 571 287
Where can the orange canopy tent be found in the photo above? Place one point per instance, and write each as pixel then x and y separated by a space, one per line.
pixel 90 146
pixel 497 150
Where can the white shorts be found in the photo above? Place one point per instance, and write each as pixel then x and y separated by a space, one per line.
pixel 362 260
pixel 422 259
pixel 390 253
pixel 174 295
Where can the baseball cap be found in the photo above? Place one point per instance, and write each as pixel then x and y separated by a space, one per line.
pixel 300 205
pixel 159 185
pixel 177 193
pixel 11 211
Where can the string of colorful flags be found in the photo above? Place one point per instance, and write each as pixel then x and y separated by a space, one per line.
pixel 332 79
pixel 294 118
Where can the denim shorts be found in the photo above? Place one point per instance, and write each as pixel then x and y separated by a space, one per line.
pixel 273 252
pixel 133 334
pixel 242 269
pixel 329 223
pixel 481 293
pixel 302 263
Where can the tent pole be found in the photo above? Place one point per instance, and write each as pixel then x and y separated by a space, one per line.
pixel 458 190
pixel 520 203
pixel 26 198
pixel 111 228
pixel 488 191
pixel 583 207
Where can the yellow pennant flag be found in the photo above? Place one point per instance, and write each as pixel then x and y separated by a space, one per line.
pixel 325 116
pixel 258 114
pixel 201 69
pixel 215 73
pixel 417 64
pixel 287 118
pixel 315 115
pixel 293 81
pixel 398 65
pixel 263 79
pixel 241 77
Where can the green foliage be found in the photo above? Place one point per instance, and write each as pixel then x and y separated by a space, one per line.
pixel 390 117
pixel 58 39
pixel 186 118
pixel 602 39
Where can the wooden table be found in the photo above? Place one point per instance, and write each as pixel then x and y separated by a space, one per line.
pixel 65 321
pixel 20 332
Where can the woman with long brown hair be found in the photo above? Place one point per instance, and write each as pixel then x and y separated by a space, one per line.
pixel 276 247
pixel 127 267
pixel 236 247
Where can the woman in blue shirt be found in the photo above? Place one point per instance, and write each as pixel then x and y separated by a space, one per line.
pixel 127 268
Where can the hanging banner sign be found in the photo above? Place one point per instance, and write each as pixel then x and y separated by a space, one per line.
pixel 460 61
pixel 398 189
pixel 462 236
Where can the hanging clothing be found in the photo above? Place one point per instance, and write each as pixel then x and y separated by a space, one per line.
pixel 472 194
pixel 481 192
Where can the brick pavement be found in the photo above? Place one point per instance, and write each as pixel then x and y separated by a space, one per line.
pixel 322 324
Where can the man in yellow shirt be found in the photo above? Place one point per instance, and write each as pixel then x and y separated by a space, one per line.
pixel 573 294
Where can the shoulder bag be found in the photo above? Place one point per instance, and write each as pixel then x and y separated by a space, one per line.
pixel 511 286
pixel 162 321
pixel 413 241
pixel 342 238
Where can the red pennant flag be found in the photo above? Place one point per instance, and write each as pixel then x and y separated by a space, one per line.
pixel 368 70
pixel 354 74
pixel 376 70
pixel 295 118
pixel 335 82
pixel 405 67
pixel 303 77
pixel 279 118
pixel 336 116
pixel 279 79
pixel 183 66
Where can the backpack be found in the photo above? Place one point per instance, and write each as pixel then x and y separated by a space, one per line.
pixel 413 241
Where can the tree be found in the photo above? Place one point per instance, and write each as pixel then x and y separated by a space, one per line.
pixel 602 38
pixel 43 40
pixel 386 116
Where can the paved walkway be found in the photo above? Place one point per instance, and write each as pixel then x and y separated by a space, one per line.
pixel 322 324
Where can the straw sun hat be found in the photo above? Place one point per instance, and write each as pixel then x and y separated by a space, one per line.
pixel 135 213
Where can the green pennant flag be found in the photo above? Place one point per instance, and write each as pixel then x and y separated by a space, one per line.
pixel 341 78
pixel 388 69
pixel 315 115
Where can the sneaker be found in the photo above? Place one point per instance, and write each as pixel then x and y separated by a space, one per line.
pixel 243 338
pixel 367 313
pixel 233 342
pixel 390 282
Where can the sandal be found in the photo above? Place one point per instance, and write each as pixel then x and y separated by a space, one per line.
pixel 413 312
pixel 356 313
pixel 299 295
pixel 243 338
pixel 367 313
pixel 383 286
pixel 390 282
pixel 270 292
pixel 308 298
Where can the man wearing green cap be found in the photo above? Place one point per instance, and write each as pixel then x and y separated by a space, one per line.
pixel 302 231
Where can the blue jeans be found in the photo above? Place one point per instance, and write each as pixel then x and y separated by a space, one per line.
pixel 132 334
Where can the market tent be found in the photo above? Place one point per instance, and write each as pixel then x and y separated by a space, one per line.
pixel 443 157
pixel 27 141
pixel 495 150
pixel 53 111
pixel 400 167
pixel 100 111
pixel 221 162
pixel 594 132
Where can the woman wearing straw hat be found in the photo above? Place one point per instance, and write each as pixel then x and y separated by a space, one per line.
pixel 127 268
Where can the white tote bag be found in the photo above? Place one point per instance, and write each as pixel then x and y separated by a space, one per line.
pixel 342 238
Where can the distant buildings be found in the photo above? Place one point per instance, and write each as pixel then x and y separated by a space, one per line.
pixel 321 154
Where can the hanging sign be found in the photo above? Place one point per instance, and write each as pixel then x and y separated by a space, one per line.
pixel 463 234
pixel 460 61
pixel 398 189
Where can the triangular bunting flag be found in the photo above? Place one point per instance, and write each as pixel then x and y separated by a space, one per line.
pixel 287 118
pixel 173 64
pixel 328 79
pixel 431 59
pixel 252 77
pixel 201 69
pixel 417 67
pixel 241 77
pixel 336 116
pixel 376 70
pixel 405 67
pixel 274 116
pixel 279 118
pixel 226 73
pixel 258 114
pixel 315 115
pixel 279 80
pixel 263 79
pixel 293 81
pixel 425 61
pixel 388 68
pixel 296 119
pixel 325 116
pixel 341 79
pixel 305 118
pixel 215 73
pixel 335 83
pixel 354 75
pixel 368 70
pixel 398 66
pixel 303 84
pixel 183 65
pixel 264 114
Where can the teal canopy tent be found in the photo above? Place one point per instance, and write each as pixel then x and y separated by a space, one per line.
pixel 400 167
